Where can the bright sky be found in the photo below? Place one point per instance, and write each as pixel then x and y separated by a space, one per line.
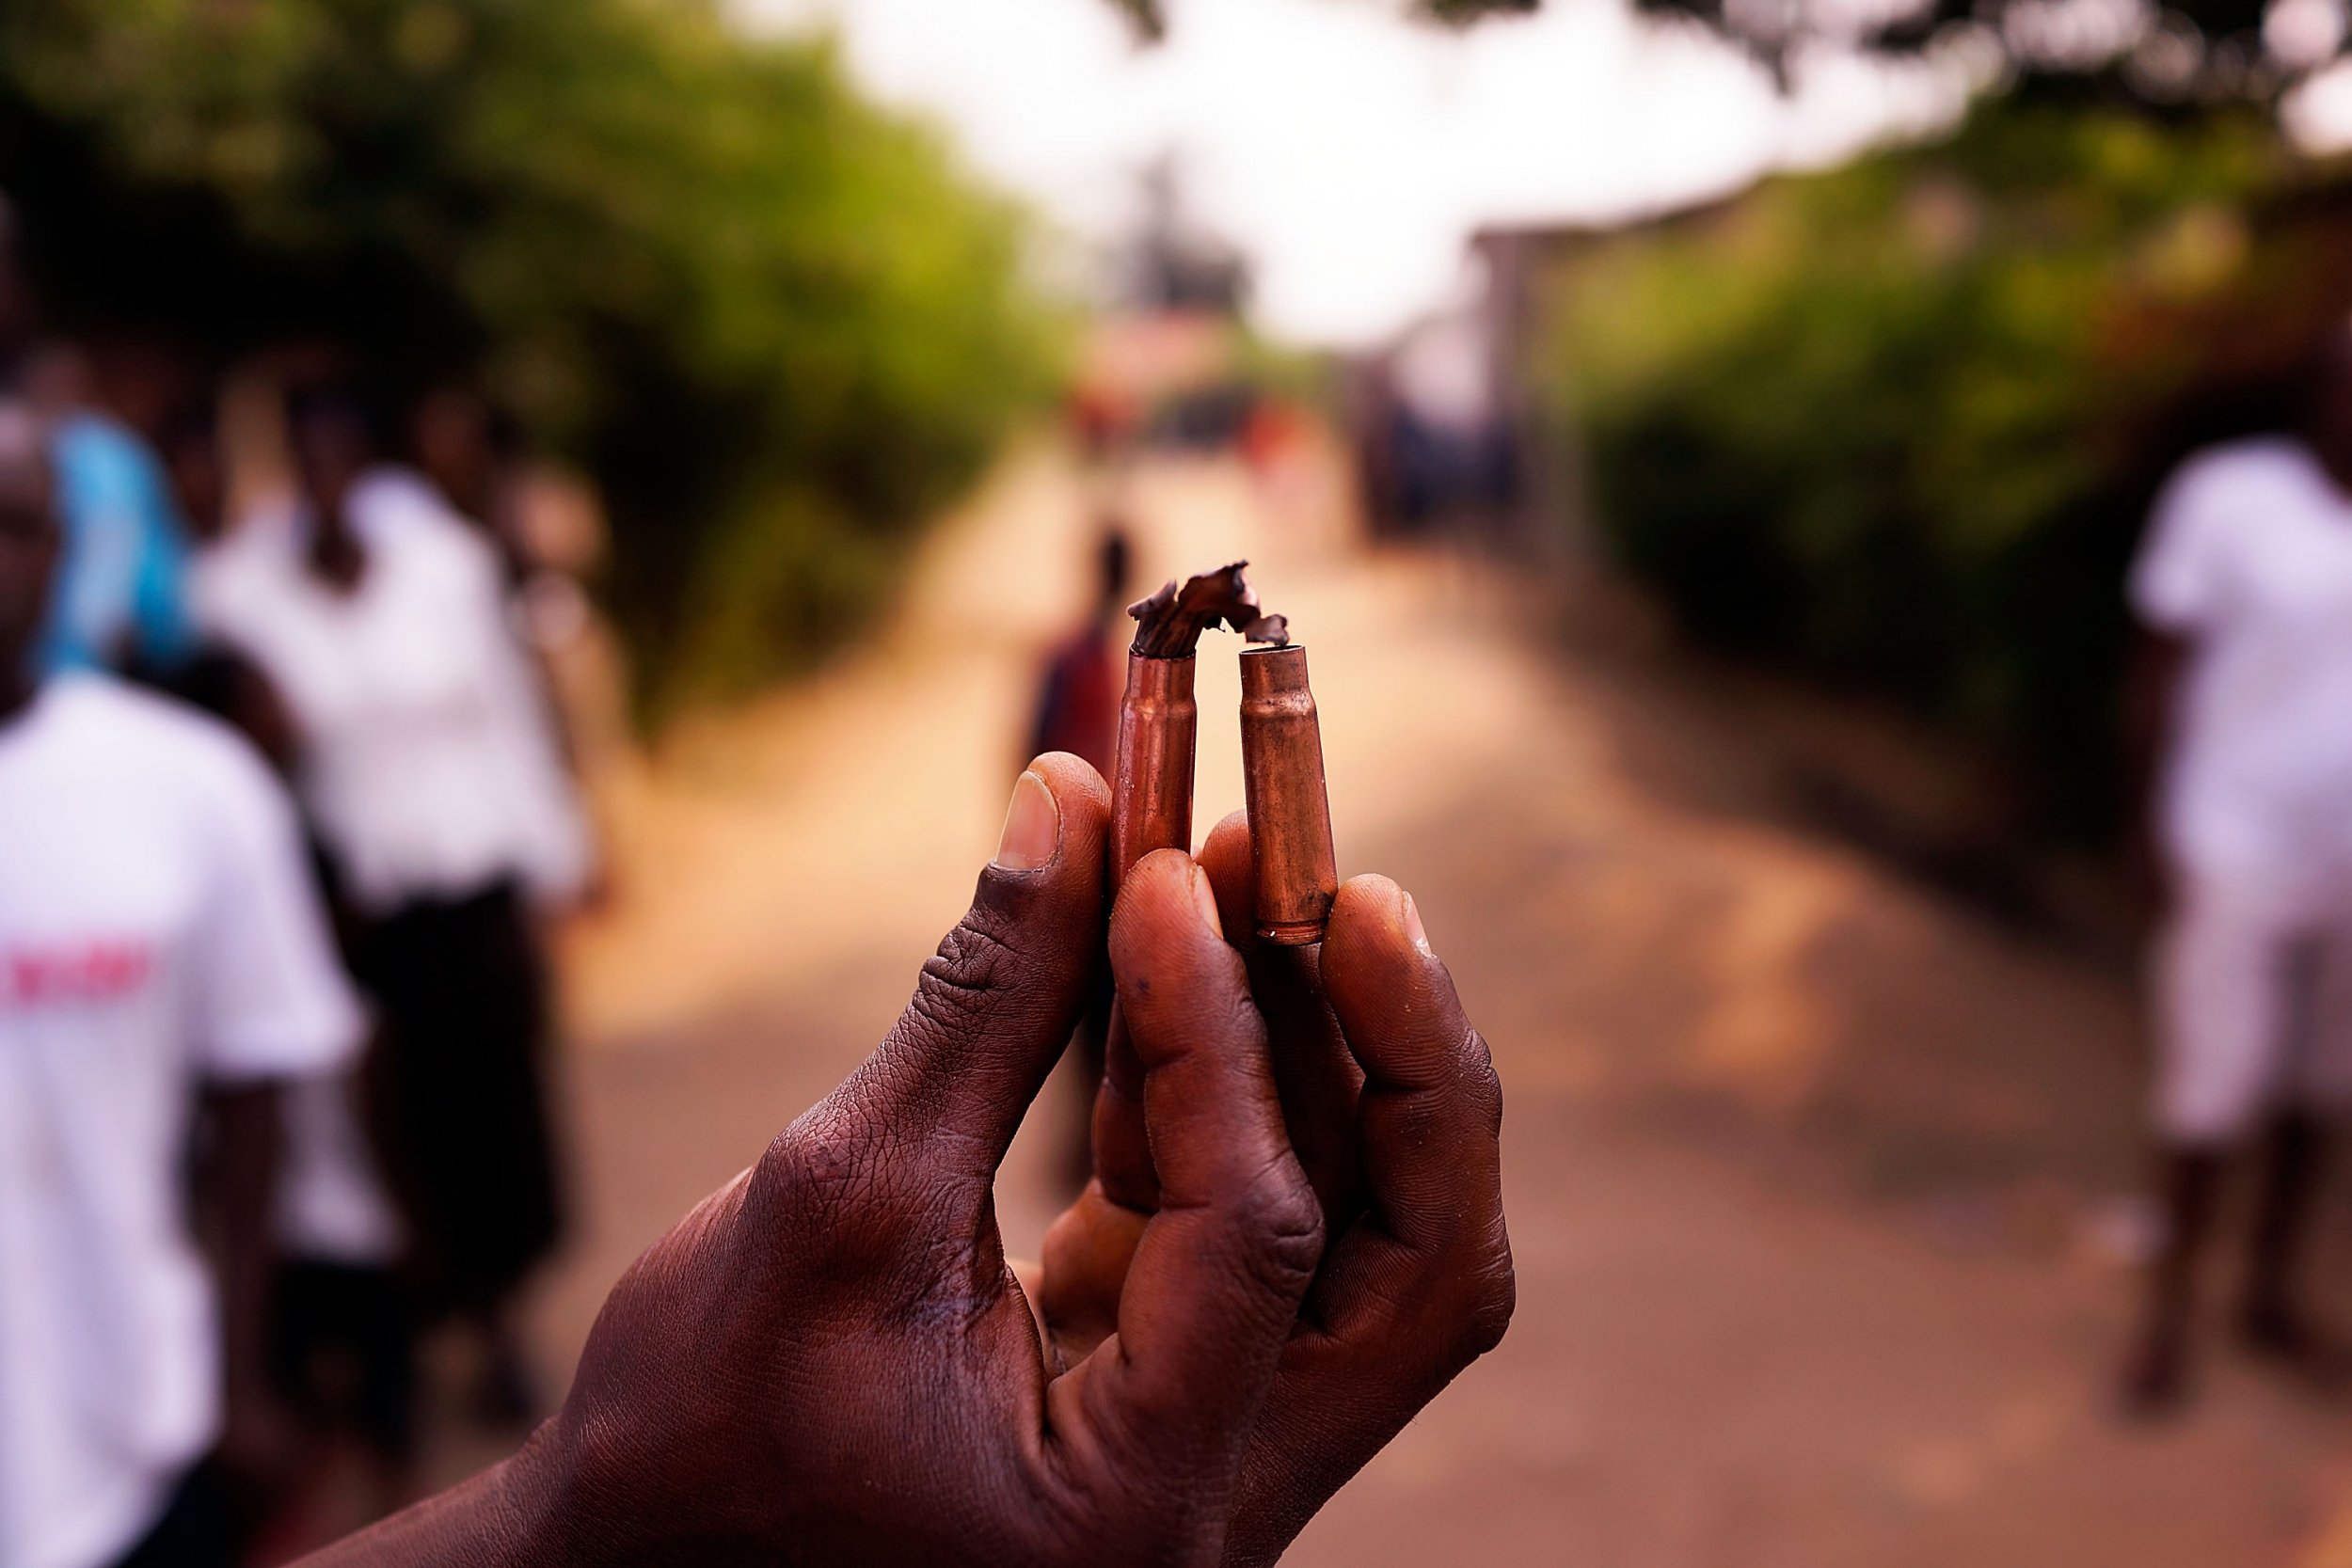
pixel 1347 151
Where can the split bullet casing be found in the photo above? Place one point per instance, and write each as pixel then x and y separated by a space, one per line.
pixel 1290 809
pixel 1159 726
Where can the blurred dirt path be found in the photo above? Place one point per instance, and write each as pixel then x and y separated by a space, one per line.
pixel 1809 1172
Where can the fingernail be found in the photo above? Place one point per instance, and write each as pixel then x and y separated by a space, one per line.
pixel 1205 896
pixel 1413 926
pixel 1032 826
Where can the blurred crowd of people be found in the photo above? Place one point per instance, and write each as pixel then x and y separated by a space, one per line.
pixel 287 804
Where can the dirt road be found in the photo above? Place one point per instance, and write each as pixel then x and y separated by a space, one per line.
pixel 1805 1168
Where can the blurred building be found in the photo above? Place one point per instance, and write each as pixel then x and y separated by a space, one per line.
pixel 1165 361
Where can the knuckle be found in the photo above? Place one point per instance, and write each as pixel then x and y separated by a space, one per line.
pixel 976 961
pixel 1484 1085
pixel 1490 1319
pixel 815 1172
pixel 1284 1221
pixel 1494 1299
pixel 1229 1008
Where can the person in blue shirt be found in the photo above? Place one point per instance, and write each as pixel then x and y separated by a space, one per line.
pixel 122 601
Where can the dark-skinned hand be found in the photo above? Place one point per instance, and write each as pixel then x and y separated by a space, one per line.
pixel 831 1362
pixel 1392 1105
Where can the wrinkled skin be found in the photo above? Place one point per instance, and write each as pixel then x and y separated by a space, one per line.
pixel 830 1361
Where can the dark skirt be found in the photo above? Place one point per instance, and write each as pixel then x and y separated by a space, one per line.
pixel 342 1353
pixel 463 998
pixel 196 1531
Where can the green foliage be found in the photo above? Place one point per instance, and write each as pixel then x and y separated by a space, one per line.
pixel 774 321
pixel 1897 425
pixel 2181 58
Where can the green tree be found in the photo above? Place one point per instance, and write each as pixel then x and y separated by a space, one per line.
pixel 777 322
pixel 1898 425
pixel 2183 52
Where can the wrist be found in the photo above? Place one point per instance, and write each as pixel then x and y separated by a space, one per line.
pixel 527 1512
pixel 549 1510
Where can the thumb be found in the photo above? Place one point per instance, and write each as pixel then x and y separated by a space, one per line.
pixel 997 1005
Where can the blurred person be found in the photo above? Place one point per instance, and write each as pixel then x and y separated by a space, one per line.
pixel 2245 583
pixel 198 471
pixel 462 445
pixel 342 1337
pixel 449 827
pixel 1078 686
pixel 18 317
pixel 121 593
pixel 142 380
pixel 1447 429
pixel 547 529
pixel 159 945
pixel 342 1330
pixel 1100 421
pixel 558 534
pixel 546 533
pixel 830 1360
pixel 1078 712
pixel 462 467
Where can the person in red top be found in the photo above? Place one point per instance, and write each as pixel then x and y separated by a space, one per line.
pixel 1078 712
pixel 1077 700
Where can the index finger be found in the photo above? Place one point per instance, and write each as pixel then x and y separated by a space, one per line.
pixel 1222 1265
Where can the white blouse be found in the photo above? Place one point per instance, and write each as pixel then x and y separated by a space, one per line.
pixel 2248 558
pixel 429 764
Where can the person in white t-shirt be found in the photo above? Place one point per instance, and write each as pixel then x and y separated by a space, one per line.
pixel 2245 581
pixel 428 768
pixel 159 941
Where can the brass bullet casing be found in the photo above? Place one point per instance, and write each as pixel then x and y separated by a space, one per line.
pixel 1159 726
pixel 1290 810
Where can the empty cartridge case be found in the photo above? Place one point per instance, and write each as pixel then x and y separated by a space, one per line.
pixel 1290 810
pixel 1159 726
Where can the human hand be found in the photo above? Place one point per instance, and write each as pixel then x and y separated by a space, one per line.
pixel 1392 1105
pixel 830 1362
